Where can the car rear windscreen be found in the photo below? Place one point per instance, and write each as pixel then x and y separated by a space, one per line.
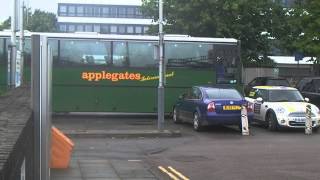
pixel 223 94
pixel 277 82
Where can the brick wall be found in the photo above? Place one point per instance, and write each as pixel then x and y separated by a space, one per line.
pixel 16 135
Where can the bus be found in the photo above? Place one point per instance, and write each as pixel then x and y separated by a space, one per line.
pixel 119 73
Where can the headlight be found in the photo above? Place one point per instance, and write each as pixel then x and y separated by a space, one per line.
pixel 280 110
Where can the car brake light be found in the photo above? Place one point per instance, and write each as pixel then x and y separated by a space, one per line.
pixel 249 107
pixel 211 107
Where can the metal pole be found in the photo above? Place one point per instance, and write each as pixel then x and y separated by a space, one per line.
pixel 161 70
pixel 41 105
pixel 21 43
pixel 13 46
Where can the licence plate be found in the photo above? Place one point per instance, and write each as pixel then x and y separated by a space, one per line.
pixel 299 119
pixel 231 108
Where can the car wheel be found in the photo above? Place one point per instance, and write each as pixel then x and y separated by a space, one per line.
pixel 175 116
pixel 272 122
pixel 316 129
pixel 196 122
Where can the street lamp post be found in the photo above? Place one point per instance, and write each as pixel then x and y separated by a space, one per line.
pixel 161 70
pixel 13 47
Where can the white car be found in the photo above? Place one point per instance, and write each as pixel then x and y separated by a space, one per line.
pixel 279 106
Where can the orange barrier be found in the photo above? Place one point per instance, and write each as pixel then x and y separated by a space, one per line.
pixel 61 149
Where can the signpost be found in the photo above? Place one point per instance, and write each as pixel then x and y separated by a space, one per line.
pixel 244 121
pixel 308 123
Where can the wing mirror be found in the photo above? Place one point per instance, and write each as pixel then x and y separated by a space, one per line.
pixel 182 96
pixel 306 99
pixel 260 100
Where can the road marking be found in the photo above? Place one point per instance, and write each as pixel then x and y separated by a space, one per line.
pixel 172 176
pixel 178 173
pixel 134 160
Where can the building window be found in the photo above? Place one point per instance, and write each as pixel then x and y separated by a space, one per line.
pixel 80 11
pixel 88 11
pixel 105 29
pixel 88 28
pixel 62 10
pixel 113 29
pixel 113 12
pixel 138 30
pixel 130 12
pixel 145 29
pixel 80 28
pixel 96 12
pixel 71 28
pixel 63 27
pixel 138 13
pixel 122 29
pixel 130 30
pixel 122 12
pixel 71 11
pixel 105 12
pixel 96 28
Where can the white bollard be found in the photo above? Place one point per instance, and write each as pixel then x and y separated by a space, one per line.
pixel 308 123
pixel 244 121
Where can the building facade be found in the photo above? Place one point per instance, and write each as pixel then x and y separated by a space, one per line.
pixel 102 16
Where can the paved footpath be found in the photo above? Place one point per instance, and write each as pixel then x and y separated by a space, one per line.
pixel 106 149
pixel 105 170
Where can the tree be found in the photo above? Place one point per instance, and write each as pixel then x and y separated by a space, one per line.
pixel 41 21
pixel 6 24
pixel 247 20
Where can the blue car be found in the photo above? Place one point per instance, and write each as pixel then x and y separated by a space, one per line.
pixel 216 105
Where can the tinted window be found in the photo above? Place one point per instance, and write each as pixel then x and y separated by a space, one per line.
pixel 133 54
pixel 261 93
pixel 223 94
pixel 84 52
pixel 3 63
pixel 197 93
pixel 285 96
pixel 187 54
pixel 316 83
pixel 54 46
pixel 2 54
pixel 277 82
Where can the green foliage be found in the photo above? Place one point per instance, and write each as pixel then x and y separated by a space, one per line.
pixel 38 21
pixel 245 20
pixel 41 21
pixel 6 24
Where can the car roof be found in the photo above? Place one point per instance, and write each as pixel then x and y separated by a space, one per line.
pixel 311 78
pixel 274 88
pixel 215 87
pixel 271 77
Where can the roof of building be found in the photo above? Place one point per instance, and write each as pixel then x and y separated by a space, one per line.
pixel 103 2
pixel 100 20
pixel 275 88
pixel 290 60
pixel 93 35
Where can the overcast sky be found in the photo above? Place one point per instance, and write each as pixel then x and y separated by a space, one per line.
pixel 45 5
